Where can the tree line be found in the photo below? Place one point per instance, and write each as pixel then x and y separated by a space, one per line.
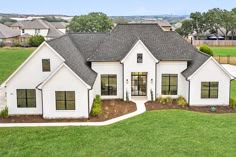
pixel 214 20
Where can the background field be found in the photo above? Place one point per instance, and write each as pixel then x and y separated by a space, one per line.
pixel 10 59
pixel 224 51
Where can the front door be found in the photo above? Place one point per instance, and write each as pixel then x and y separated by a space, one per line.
pixel 139 84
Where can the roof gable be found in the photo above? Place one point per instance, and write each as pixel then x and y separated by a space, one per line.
pixel 139 42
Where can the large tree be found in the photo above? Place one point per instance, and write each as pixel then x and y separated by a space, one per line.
pixel 198 23
pixel 93 22
pixel 186 28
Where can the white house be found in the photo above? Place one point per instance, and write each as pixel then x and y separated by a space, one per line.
pixel 49 30
pixel 61 78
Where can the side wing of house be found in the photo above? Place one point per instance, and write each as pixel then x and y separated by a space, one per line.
pixel 65 95
pixel 209 85
pixel 22 95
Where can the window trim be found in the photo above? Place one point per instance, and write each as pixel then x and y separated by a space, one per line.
pixel 141 56
pixel 209 90
pixel 169 85
pixel 109 91
pixel 65 100
pixel 47 70
pixel 26 99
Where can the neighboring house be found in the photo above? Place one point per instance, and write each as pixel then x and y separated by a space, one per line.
pixel 61 78
pixel 165 25
pixel 61 26
pixel 38 27
pixel 8 36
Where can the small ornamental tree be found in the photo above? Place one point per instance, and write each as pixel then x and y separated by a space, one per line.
pixel 206 49
pixel 36 40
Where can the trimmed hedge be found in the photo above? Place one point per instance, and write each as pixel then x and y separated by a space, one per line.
pixel 36 40
pixel 96 109
pixel 206 49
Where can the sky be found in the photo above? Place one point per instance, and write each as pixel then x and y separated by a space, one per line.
pixel 113 7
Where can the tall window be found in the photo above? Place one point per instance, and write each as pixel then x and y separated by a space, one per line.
pixel 209 89
pixel 23 31
pixel 46 65
pixel 169 84
pixel 26 98
pixel 139 58
pixel 108 85
pixel 65 100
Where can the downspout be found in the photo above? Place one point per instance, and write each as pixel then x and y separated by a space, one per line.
pixel 123 84
pixel 188 91
pixel 89 102
pixel 156 79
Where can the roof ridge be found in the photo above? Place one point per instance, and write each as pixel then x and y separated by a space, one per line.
pixel 88 32
pixel 57 38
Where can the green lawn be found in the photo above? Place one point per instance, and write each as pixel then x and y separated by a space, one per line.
pixel 224 51
pixel 10 59
pixel 157 133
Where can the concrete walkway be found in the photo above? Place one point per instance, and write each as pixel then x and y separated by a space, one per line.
pixel 140 109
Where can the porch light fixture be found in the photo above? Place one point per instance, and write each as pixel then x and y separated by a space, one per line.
pixel 127 81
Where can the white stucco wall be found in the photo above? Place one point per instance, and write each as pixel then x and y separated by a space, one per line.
pixel 131 65
pixel 210 72
pixel 58 83
pixel 108 68
pixel 28 77
pixel 43 32
pixel 172 67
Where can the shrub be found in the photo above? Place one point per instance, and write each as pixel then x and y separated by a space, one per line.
pixel 206 49
pixel 232 103
pixel 127 96
pixel 162 100
pixel 181 101
pixel 96 109
pixel 152 99
pixel 4 113
pixel 169 100
pixel 36 40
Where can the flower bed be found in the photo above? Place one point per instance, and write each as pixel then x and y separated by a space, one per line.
pixel 110 109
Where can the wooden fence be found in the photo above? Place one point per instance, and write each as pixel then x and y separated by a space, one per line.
pixel 214 42
pixel 226 59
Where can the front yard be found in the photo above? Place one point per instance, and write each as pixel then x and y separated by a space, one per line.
pixel 154 133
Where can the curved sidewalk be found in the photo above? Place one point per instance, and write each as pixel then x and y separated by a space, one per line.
pixel 140 109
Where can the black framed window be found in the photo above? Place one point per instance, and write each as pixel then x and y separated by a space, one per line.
pixel 26 98
pixel 23 31
pixel 65 100
pixel 108 84
pixel 209 89
pixel 46 65
pixel 139 58
pixel 169 84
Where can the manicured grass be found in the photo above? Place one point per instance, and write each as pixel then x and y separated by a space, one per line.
pixel 10 59
pixel 224 51
pixel 156 133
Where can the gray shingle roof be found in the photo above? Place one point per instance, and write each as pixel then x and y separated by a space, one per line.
pixel 52 32
pixel 73 58
pixel 59 25
pixel 6 32
pixel 77 48
pixel 36 24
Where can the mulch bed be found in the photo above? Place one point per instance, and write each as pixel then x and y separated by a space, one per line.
pixel 219 109
pixel 110 109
